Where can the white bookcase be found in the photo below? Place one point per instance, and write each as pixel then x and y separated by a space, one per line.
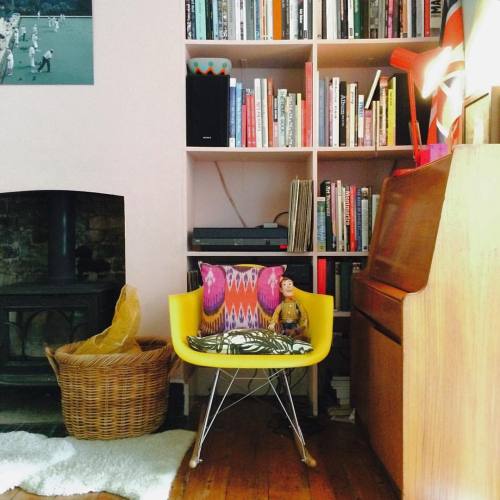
pixel 259 178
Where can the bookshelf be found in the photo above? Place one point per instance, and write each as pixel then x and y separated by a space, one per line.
pixel 259 178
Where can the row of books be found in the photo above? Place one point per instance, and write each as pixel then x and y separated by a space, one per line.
pixel 345 217
pixel 334 278
pixel 267 117
pixel 249 19
pixel 380 18
pixel 347 118
pixel 300 215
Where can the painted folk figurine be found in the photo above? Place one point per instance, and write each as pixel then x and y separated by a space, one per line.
pixel 289 318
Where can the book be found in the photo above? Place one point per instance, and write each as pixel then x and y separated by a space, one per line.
pixel 373 88
pixel 321 223
pixel 321 277
pixel 232 112
pixel 325 191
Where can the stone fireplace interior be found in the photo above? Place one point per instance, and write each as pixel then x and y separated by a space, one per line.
pixel 62 264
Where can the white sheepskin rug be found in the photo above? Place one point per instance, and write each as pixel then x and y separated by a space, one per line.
pixel 136 468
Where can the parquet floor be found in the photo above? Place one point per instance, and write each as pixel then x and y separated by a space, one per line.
pixel 250 455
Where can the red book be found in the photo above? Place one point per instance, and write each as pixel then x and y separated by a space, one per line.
pixel 427 17
pixel 252 142
pixel 270 112
pixel 352 228
pixel 322 276
pixel 244 118
pixel 308 106
pixel 303 112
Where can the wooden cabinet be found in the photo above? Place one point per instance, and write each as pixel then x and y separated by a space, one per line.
pixel 425 343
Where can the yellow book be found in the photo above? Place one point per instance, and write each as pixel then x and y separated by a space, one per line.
pixel 391 113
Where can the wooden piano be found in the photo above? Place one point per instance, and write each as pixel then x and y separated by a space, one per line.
pixel 426 329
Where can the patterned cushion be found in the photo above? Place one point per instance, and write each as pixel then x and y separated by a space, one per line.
pixel 249 341
pixel 238 296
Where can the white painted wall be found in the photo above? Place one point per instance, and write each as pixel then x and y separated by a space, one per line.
pixel 124 135
pixel 482 41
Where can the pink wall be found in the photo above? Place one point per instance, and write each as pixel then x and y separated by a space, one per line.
pixel 124 135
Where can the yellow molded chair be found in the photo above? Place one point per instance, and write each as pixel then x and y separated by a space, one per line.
pixel 185 317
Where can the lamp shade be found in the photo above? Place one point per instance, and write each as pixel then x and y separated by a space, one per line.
pixel 427 68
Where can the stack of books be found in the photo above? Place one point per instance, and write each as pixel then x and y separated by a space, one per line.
pixel 263 116
pixel 345 217
pixel 334 278
pixel 380 18
pixel 249 19
pixel 300 215
pixel 342 388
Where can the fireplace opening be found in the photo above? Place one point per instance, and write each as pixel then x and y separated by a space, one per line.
pixel 62 264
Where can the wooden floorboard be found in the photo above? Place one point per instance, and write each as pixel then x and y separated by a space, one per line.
pixel 250 454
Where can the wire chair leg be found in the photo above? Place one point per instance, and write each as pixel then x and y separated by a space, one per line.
pixel 300 442
pixel 195 457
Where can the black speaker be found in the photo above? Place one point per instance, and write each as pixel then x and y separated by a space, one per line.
pixel 207 108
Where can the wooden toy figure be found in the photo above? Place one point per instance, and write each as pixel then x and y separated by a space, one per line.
pixel 289 318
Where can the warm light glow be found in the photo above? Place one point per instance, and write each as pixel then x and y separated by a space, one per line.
pixel 435 71
pixel 481 47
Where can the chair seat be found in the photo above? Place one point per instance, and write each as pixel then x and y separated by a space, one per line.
pixel 251 361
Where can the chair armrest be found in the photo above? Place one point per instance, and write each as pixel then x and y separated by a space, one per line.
pixel 319 309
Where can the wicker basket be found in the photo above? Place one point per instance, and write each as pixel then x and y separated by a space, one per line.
pixel 112 396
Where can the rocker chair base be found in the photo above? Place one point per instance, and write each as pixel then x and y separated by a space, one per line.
pixel 208 417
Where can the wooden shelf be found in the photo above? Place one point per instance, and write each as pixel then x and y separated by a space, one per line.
pixel 367 53
pixel 254 53
pixel 249 154
pixel 364 153
pixel 342 254
pixel 194 253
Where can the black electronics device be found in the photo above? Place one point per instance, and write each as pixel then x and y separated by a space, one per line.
pixel 207 107
pixel 240 238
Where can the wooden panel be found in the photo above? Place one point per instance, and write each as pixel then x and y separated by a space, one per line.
pixel 406 226
pixel 452 343
pixel 377 372
pixel 381 302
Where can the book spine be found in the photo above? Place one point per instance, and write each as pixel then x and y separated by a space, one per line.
pixel 300 19
pixel 277 19
pixel 321 276
pixel 427 18
pixel 243 19
pixel 321 224
pixel 258 112
pixel 309 103
pixel 350 19
pixel 344 19
pixel 333 208
pixel 373 19
pixel 250 19
pixel 215 20
pixel 352 218
pixel 200 20
pixel 294 20
pixel 403 19
pixel 310 15
pixel 357 19
pixel 347 217
pixel 244 120
pixel 270 112
pixel 353 107
pixel 286 20
pixel 342 113
pixel 321 113
pixel 188 20
pixel 340 217
pixel 419 18
pixel 361 119
pixel 232 112
pixel 396 29
pixel 269 19
pixel 298 121
pixel 231 20
pixel 358 219
pixel 305 32
pixel 364 219
pixel 367 135
pixel 436 8
pixel 345 285
pixel 389 18
pixel 253 121
pixel 337 294
pixel 263 107
pixel 383 110
pixel 329 113
pixel 325 192
pixel 335 112
pixel 391 116
pixel 282 117
pixel 238 114
pixel 375 202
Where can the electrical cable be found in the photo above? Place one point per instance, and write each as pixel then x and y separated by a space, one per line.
pixel 228 194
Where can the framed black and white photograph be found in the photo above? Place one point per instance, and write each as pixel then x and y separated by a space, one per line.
pixel 46 42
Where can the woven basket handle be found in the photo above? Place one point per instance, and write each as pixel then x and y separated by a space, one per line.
pixel 52 360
